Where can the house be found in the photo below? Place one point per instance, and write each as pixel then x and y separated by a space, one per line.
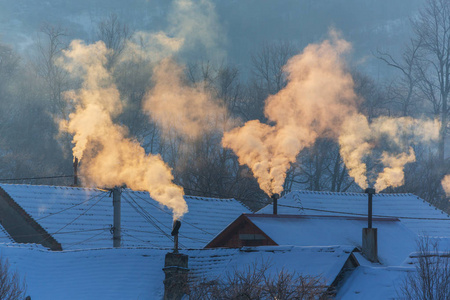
pixel 316 234
pixel 71 218
pixel 413 212
pixel 308 218
pixel 136 273
pixel 395 241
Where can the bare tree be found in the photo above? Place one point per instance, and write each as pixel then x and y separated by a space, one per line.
pixel 403 92
pixel 268 65
pixel 114 34
pixel 432 29
pixel 255 282
pixel 431 279
pixel 11 286
pixel 51 41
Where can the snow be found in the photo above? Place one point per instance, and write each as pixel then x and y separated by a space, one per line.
pixel 373 283
pixel 88 274
pixel 395 241
pixel 325 262
pixel 133 273
pixel 413 212
pixel 81 218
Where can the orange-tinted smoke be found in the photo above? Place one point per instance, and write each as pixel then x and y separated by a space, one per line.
pixel 359 138
pixel 188 110
pixel 317 98
pixel 446 184
pixel 108 157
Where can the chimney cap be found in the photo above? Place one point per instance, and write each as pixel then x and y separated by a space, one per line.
pixel 369 191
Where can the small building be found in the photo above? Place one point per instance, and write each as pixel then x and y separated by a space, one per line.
pixel 71 218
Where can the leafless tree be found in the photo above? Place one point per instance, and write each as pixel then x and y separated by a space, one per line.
pixel 403 91
pixel 114 34
pixel 12 287
pixel 255 282
pixel 51 41
pixel 431 279
pixel 432 33
pixel 268 65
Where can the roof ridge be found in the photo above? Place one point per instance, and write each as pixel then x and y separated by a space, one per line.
pixel 352 193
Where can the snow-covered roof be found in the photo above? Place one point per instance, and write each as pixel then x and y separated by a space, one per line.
pixel 88 274
pixel 82 217
pixel 395 241
pixel 368 282
pixel 125 273
pixel 325 262
pixel 416 214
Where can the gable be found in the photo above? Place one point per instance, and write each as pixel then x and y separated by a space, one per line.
pixel 242 232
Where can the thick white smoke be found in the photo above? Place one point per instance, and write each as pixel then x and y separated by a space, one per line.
pixel 359 139
pixel 318 97
pixel 108 156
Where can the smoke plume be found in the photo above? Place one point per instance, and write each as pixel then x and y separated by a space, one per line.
pixel 318 97
pixel 392 137
pixel 192 26
pixel 446 184
pixel 108 156
pixel 188 110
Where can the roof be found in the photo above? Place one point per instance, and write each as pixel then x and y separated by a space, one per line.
pixel 416 214
pixel 325 262
pixel 367 282
pixel 82 217
pixel 395 241
pixel 88 274
pixel 125 273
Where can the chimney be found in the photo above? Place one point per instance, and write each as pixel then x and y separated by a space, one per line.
pixel 275 203
pixel 369 234
pixel 116 191
pixel 75 172
pixel 176 270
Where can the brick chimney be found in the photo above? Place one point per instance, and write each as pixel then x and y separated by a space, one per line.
pixel 176 270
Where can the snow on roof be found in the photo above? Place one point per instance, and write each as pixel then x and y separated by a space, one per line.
pixel 325 262
pixel 124 273
pixel 82 217
pixel 416 214
pixel 88 274
pixel 373 283
pixel 395 241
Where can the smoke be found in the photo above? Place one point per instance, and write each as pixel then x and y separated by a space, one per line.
pixel 319 101
pixel 108 156
pixel 318 97
pixel 189 110
pixel 393 174
pixel 446 184
pixel 192 26
pixel 392 137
